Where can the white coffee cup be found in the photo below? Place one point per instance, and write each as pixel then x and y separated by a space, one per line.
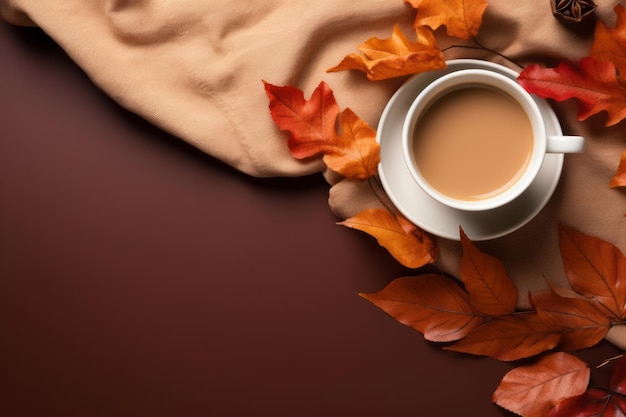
pixel 502 93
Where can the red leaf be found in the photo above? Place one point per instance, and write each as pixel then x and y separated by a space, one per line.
pixel 598 402
pixel 618 377
pixel 434 305
pixel 580 321
pixel 592 403
pixel 532 390
pixel 311 123
pixel 595 269
pixel 508 338
pixel 491 290
pixel 593 83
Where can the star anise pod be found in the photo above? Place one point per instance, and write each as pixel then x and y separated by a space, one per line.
pixel 572 11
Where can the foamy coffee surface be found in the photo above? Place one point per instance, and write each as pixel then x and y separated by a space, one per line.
pixel 473 143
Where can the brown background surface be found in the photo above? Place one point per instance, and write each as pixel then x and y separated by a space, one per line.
pixel 139 276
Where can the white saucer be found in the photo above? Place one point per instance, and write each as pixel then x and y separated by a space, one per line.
pixel 433 216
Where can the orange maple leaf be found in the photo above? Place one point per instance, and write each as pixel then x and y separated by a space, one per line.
pixel 408 244
pixel 381 59
pixel 619 180
pixel 595 269
pixel 462 18
pixel 432 304
pixel 532 390
pixel 311 123
pixel 356 153
pixel 491 290
pixel 610 44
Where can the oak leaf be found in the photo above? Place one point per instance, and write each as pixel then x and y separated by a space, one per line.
pixel 382 59
pixel 432 304
pixel 311 123
pixel 491 291
pixel 355 153
pixel 462 18
pixel 598 402
pixel 533 390
pixel 580 321
pixel 619 180
pixel 408 244
pixel 595 269
pixel 594 83
pixel 509 338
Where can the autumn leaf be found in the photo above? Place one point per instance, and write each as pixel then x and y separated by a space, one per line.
pixel 597 82
pixel 595 269
pixel 619 180
pixel 610 44
pixel 597 402
pixel 533 390
pixel 408 244
pixel 355 153
pixel 509 338
pixel 618 377
pixel 311 123
pixel 593 403
pixel 462 18
pixel 581 322
pixel 491 290
pixel 381 59
pixel 432 304
pixel 594 83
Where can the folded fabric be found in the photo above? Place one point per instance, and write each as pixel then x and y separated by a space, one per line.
pixel 195 69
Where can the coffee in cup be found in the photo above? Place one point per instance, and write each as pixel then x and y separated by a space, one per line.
pixel 475 140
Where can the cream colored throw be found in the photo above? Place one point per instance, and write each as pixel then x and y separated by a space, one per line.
pixel 195 69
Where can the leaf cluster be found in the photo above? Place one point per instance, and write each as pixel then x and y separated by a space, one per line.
pixel 354 153
pixel 398 55
pixel 596 81
pixel 477 313
pixel 311 123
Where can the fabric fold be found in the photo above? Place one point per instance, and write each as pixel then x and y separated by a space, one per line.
pixel 195 68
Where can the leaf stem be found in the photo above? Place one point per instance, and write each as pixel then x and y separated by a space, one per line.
pixel 609 360
pixel 479 46
pixel 374 190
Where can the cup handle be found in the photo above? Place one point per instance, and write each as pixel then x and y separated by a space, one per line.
pixel 565 144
